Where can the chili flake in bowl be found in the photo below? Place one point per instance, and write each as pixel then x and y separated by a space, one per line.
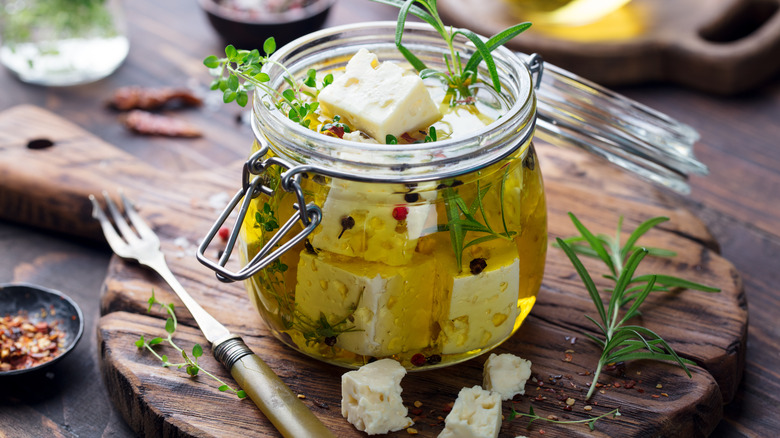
pixel 38 327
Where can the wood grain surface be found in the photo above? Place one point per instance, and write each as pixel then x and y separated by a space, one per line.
pixel 718 46
pixel 707 328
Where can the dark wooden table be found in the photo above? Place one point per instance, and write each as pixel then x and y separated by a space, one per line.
pixel 738 201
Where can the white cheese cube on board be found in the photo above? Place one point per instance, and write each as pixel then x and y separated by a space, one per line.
pixel 483 307
pixel 475 414
pixel 376 235
pixel 371 397
pixel 379 99
pixel 506 374
pixel 388 308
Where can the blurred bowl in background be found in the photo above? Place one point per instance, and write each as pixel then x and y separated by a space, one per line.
pixel 246 24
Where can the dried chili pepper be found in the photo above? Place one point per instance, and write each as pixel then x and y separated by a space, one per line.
pixel 24 344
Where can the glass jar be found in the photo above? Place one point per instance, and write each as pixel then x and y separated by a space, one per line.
pixel 62 42
pixel 429 253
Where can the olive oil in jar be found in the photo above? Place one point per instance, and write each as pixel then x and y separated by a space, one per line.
pixel 403 271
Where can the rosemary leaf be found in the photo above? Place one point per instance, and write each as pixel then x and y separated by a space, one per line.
pixel 624 342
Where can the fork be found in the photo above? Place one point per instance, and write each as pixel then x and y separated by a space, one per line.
pixel 136 241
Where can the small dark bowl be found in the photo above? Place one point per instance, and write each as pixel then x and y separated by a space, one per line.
pixel 35 299
pixel 248 30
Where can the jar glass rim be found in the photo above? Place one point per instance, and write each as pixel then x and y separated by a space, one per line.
pixel 332 47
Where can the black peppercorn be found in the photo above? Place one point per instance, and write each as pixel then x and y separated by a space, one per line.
pixel 477 265
pixel 347 222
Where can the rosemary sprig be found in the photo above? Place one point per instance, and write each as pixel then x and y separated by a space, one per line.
pixel 457 76
pixel 591 422
pixel 624 342
pixel 240 71
pixel 190 361
pixel 462 219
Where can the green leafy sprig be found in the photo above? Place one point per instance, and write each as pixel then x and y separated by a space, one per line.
pixel 240 72
pixel 190 363
pixel 458 75
pixel 623 342
pixel 591 422
pixel 461 219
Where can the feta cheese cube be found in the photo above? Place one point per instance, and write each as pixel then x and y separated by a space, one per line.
pixel 475 414
pixel 371 397
pixel 375 234
pixel 379 99
pixel 506 374
pixel 483 307
pixel 389 308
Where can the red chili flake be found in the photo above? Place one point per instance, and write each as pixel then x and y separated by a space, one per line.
pixel 568 357
pixel 25 344
pixel 408 138
pixel 541 431
pixel 223 233
pixel 616 384
pixel 567 408
pixel 640 390
pixel 655 396
pixel 338 131
pixel 416 411
pixel 400 213
pixel 630 384
pixel 418 359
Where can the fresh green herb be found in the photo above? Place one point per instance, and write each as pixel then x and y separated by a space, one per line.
pixel 431 135
pixel 322 331
pixel 591 422
pixel 190 363
pixel 266 219
pixel 60 18
pixel 624 342
pixel 336 127
pixel 457 76
pixel 240 71
pixel 461 219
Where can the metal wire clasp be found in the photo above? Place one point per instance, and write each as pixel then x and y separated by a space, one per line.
pixel 310 216
pixel 536 66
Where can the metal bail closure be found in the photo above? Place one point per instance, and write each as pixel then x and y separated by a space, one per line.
pixel 310 217
pixel 536 66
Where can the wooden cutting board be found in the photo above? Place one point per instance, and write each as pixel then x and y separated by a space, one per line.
pixel 48 188
pixel 719 46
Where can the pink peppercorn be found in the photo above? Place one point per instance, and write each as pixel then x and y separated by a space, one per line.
pixel 399 213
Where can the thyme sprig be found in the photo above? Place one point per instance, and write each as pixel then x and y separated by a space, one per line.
pixel 240 72
pixel 623 342
pixel 591 422
pixel 458 75
pixel 190 363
